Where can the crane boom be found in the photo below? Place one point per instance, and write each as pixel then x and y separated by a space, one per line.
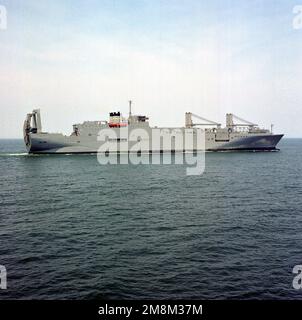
pixel 245 122
pixel 204 119
pixel 190 124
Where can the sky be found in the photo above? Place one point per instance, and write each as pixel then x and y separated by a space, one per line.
pixel 79 60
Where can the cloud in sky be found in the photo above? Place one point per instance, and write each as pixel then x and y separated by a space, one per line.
pixel 79 60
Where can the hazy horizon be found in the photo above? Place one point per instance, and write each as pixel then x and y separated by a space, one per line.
pixel 79 60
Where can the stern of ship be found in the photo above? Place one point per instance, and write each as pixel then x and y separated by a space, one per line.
pixel 32 125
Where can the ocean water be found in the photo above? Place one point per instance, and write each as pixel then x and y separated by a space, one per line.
pixel 73 229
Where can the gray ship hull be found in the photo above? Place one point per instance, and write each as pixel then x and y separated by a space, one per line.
pixel 58 144
pixel 252 143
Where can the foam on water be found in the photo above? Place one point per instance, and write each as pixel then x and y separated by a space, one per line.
pixel 13 154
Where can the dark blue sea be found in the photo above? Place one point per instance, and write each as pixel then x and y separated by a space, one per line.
pixel 71 228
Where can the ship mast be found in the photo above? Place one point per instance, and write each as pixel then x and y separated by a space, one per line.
pixel 130 112
pixel 130 104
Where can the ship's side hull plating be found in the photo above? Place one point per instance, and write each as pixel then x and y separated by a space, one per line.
pixel 251 143
pixel 56 143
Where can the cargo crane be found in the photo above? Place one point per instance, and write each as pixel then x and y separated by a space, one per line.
pixel 244 123
pixel 190 124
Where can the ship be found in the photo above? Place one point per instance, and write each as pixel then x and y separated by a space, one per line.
pixel 92 136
